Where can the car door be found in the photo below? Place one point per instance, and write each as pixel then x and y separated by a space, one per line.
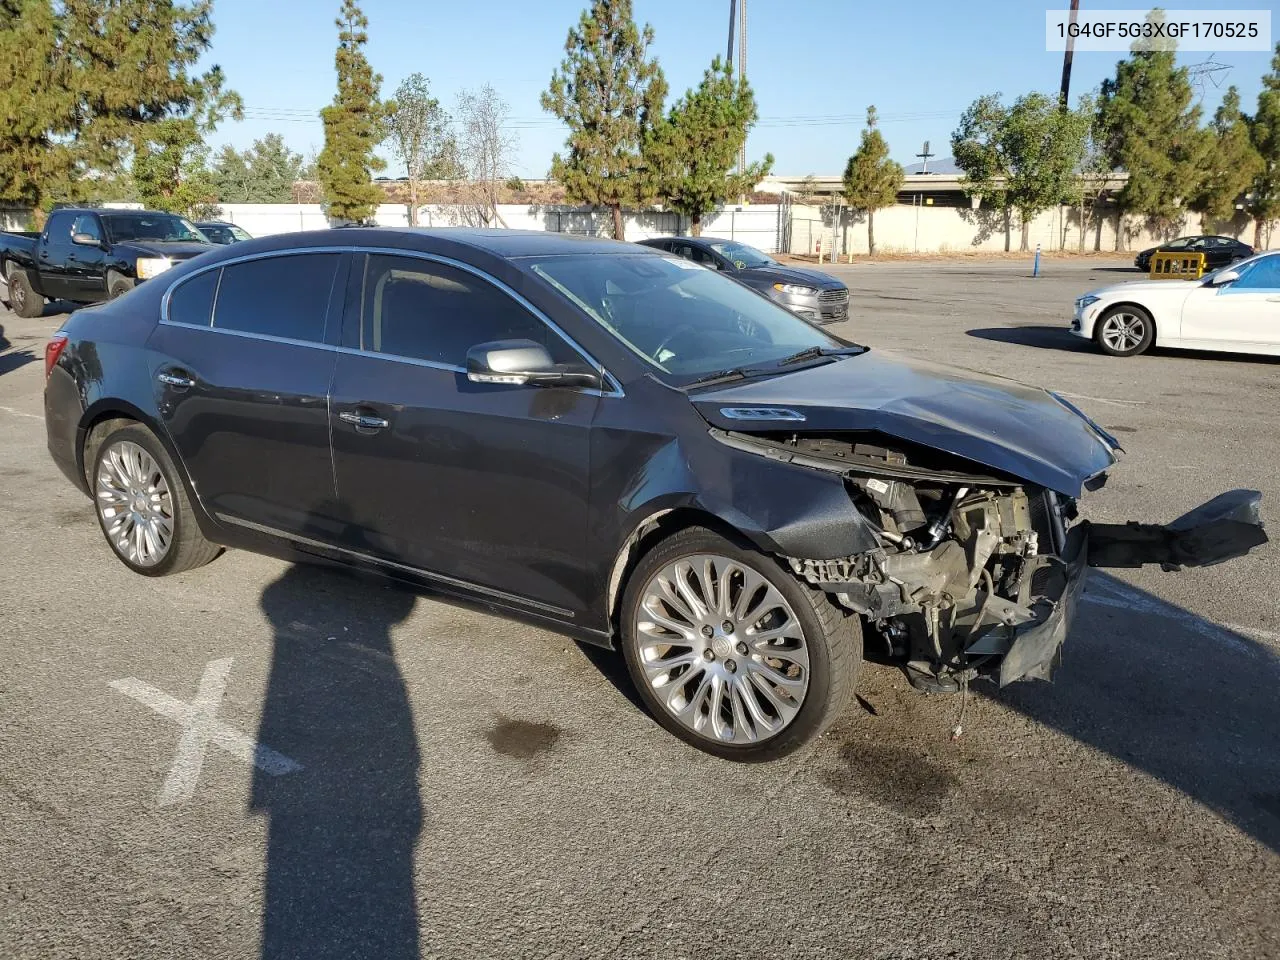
pixel 241 367
pixel 86 276
pixel 52 255
pixel 1239 314
pixel 482 484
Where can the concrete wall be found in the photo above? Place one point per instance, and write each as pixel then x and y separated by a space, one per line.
pixel 757 226
pixel 903 228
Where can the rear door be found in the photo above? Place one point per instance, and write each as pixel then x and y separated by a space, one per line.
pixel 53 253
pixel 241 363
pixel 483 484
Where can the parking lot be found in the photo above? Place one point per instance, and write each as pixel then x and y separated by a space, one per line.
pixel 259 759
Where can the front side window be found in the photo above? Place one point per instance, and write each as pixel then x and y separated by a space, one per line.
pixel 277 296
pixel 1262 274
pixel 87 224
pixel 156 227
pixel 429 311
pixel 679 317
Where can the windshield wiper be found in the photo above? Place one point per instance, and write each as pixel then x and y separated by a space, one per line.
pixel 813 353
pixel 721 376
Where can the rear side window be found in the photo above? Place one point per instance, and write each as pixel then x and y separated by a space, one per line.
pixel 192 302
pixel 429 311
pixel 277 296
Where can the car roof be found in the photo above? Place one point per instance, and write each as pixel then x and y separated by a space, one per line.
pixel 505 244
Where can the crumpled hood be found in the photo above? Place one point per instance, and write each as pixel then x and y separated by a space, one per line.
pixel 173 249
pixel 812 278
pixel 1006 426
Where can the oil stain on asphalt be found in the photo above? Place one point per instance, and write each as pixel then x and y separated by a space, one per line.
pixel 891 776
pixel 521 739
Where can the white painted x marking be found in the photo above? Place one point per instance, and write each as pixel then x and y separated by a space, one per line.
pixel 201 727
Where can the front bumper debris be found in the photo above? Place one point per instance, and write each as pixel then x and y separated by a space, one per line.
pixel 1228 526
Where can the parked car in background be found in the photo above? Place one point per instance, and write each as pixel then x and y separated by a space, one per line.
pixel 86 256
pixel 621 445
pixel 1236 309
pixel 812 294
pixel 1218 251
pixel 222 233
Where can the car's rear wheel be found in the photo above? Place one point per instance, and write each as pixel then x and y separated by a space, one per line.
pixel 23 299
pixel 1124 331
pixel 730 652
pixel 143 508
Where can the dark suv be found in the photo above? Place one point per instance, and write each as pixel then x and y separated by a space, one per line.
pixel 610 441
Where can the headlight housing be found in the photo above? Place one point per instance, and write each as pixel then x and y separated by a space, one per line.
pixel 149 267
pixel 1087 300
pixel 796 288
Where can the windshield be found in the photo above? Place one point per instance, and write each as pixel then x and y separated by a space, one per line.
pixel 160 227
pixel 742 256
pixel 680 317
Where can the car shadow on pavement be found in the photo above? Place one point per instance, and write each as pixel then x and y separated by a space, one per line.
pixel 1050 338
pixel 1171 694
pixel 10 362
pixel 341 832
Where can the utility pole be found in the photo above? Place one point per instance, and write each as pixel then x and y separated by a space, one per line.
pixel 742 68
pixel 733 19
pixel 1066 57
pixel 925 155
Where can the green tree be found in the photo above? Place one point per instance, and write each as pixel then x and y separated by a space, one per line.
pixel 1024 157
pixel 690 154
pixel 1230 165
pixel 85 82
pixel 1264 201
pixel 1151 129
pixel 422 135
pixel 610 95
pixel 871 178
pixel 353 126
pixel 265 173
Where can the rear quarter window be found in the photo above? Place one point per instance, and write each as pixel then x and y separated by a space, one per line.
pixel 284 297
pixel 192 300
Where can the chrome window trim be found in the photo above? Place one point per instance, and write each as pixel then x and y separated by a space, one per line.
pixel 614 387
pixel 502 595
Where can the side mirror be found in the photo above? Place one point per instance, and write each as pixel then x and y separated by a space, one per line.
pixel 1224 277
pixel 85 240
pixel 521 362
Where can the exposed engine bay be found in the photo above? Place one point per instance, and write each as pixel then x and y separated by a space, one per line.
pixel 977 574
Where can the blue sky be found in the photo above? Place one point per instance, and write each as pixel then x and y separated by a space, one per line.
pixel 815 65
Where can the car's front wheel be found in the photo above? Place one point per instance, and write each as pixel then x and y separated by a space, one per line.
pixel 732 653
pixel 143 508
pixel 1124 331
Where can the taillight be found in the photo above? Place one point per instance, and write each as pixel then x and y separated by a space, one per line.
pixel 52 351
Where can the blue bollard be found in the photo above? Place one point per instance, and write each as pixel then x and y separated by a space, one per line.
pixel 1035 270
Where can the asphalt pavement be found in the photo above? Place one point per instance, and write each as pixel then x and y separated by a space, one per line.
pixel 259 759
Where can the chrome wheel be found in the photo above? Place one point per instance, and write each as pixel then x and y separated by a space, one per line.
pixel 134 503
pixel 721 649
pixel 1123 332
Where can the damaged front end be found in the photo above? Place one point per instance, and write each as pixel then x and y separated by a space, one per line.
pixel 979 574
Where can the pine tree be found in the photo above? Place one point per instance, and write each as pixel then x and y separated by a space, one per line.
pixel 1230 165
pixel 353 126
pixel 1264 202
pixel 610 95
pixel 871 178
pixel 690 154
pixel 1151 130
pixel 265 173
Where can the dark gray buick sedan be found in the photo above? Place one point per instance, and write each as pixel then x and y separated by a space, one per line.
pixel 609 441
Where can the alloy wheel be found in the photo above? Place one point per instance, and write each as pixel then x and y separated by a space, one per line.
pixel 134 503
pixel 1124 331
pixel 721 649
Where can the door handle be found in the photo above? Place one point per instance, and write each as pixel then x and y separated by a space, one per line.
pixel 175 380
pixel 363 421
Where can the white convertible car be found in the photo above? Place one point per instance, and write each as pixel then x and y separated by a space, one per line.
pixel 1236 309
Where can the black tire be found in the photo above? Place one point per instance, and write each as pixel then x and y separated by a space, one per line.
pixel 187 548
pixel 117 286
pixel 23 299
pixel 1124 330
pixel 833 641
